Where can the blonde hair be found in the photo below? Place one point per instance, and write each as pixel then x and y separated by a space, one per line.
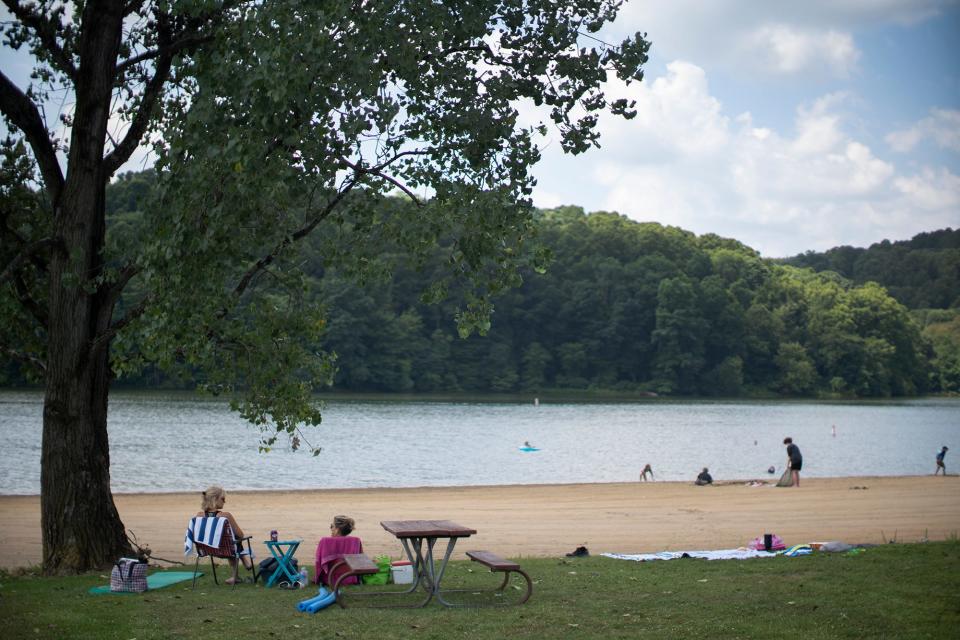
pixel 344 525
pixel 213 498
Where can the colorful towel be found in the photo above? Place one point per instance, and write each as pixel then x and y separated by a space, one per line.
pixel 720 554
pixel 206 530
pixel 798 550
pixel 158 580
pixel 331 549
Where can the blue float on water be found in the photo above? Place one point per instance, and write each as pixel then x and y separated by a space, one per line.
pixel 529 449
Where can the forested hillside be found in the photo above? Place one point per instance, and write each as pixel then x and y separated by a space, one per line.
pixel 643 307
pixel 922 273
pixel 634 307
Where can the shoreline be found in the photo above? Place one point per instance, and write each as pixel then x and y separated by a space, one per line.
pixel 768 480
pixel 546 520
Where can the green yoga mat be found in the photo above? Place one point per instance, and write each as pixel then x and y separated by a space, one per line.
pixel 158 580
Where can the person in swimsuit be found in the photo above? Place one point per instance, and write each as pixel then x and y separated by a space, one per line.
pixel 213 500
pixel 794 460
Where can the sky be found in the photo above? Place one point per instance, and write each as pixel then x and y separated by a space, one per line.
pixel 790 126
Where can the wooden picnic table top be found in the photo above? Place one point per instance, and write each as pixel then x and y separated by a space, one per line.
pixel 427 529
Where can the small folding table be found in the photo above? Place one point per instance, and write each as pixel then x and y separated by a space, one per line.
pixel 283 551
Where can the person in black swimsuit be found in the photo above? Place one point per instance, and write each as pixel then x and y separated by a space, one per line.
pixel 794 460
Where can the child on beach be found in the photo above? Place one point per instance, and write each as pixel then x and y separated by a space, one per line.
pixel 794 460
pixel 212 504
pixel 940 465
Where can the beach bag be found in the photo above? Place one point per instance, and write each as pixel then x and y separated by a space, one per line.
pixel 383 575
pixel 776 543
pixel 129 575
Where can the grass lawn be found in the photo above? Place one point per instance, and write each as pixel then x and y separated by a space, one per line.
pixel 892 591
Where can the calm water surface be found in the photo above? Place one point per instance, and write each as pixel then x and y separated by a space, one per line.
pixel 179 442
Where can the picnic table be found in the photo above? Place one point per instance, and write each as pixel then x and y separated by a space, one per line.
pixel 412 535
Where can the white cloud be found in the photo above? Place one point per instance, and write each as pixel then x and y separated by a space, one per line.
pixel 942 126
pixel 789 50
pixel 932 189
pixel 774 36
pixel 684 161
pixel 676 115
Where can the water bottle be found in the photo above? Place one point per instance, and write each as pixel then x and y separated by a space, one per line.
pixel 303 577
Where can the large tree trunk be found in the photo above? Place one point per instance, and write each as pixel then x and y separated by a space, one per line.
pixel 81 527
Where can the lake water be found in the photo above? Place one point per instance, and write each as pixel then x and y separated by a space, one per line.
pixel 173 442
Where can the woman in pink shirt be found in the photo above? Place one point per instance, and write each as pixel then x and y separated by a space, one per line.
pixel 333 547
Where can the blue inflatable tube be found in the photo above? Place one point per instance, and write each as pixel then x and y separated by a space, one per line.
pixel 302 606
pixel 321 603
pixel 529 449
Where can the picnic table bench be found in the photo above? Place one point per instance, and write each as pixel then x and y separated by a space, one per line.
pixel 356 564
pixel 497 564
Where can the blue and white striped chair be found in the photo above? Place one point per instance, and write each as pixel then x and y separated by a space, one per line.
pixel 212 537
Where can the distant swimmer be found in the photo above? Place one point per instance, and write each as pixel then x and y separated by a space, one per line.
pixel 646 469
pixel 771 470
pixel 527 444
pixel 834 430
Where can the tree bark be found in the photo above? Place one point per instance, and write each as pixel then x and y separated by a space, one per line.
pixel 81 527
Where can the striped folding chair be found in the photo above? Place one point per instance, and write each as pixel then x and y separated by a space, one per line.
pixel 212 537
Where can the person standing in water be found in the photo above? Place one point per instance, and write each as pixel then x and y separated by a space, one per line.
pixel 940 465
pixel 794 460
pixel 646 469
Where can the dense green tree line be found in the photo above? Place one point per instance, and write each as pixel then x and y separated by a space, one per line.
pixel 623 306
pixel 638 307
pixel 922 273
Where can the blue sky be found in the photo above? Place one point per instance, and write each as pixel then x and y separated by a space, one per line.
pixel 789 126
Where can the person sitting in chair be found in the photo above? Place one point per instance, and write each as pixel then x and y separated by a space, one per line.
pixel 213 500
pixel 333 547
pixel 704 478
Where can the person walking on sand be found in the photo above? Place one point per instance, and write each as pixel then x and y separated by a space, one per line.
pixel 794 461
pixel 940 465
pixel 646 469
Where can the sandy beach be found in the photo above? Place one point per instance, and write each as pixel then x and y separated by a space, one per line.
pixel 548 520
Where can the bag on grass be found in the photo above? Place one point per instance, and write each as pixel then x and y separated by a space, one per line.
pixel 776 543
pixel 129 575
pixel 269 565
pixel 383 575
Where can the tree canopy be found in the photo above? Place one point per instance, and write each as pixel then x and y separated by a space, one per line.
pixel 922 273
pixel 271 122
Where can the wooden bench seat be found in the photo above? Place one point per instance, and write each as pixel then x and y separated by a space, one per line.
pixel 493 561
pixel 497 564
pixel 353 564
pixel 359 564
